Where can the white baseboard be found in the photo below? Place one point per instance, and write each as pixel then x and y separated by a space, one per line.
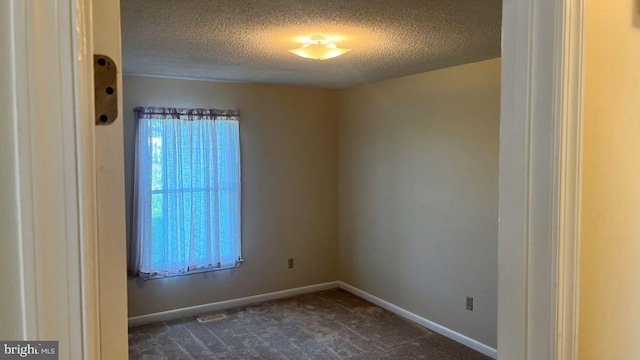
pixel 227 304
pixel 467 341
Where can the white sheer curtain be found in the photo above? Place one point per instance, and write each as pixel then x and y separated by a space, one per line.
pixel 186 192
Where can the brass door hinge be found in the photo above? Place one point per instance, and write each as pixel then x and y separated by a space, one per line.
pixel 105 78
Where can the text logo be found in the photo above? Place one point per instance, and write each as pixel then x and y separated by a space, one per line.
pixel 29 350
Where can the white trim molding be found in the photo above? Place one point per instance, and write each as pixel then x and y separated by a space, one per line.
pixel 442 330
pixel 227 304
pixel 539 196
pixel 88 215
pixel 569 80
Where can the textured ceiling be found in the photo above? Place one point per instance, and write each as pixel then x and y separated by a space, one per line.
pixel 247 40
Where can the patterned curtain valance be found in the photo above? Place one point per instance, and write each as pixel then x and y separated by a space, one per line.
pixel 186 114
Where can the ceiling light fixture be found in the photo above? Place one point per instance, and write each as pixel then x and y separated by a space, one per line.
pixel 319 48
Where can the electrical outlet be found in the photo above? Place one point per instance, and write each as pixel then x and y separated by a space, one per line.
pixel 469 303
pixel 290 263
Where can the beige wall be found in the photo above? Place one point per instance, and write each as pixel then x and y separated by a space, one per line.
pixel 418 190
pixel 288 139
pixel 610 244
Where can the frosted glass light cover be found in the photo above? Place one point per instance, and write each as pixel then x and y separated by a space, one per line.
pixel 319 51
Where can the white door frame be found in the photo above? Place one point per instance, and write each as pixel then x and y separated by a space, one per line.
pixel 568 162
pixel 50 82
pixel 540 158
pixel 540 140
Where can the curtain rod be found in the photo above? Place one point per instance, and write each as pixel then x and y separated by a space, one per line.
pixel 185 112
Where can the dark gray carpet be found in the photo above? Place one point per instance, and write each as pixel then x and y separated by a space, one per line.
pixel 332 324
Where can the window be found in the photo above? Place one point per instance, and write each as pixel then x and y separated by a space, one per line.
pixel 186 215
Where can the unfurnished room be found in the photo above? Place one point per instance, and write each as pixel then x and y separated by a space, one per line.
pixel 411 179
pixel 311 180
